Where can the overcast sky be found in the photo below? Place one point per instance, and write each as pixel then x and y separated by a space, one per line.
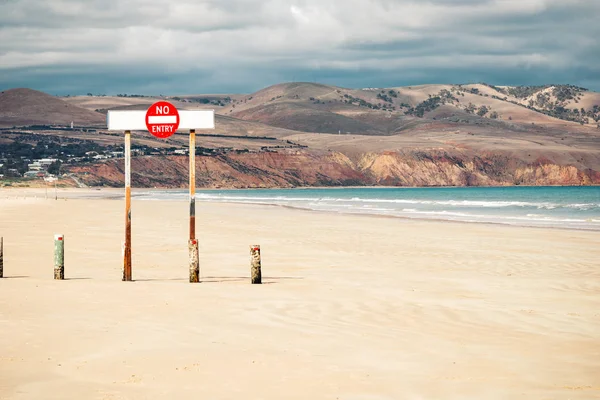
pixel 240 46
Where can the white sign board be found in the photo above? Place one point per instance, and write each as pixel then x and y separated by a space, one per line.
pixel 135 120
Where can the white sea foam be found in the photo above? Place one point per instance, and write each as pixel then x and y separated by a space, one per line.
pixel 452 203
pixel 551 210
pixel 465 203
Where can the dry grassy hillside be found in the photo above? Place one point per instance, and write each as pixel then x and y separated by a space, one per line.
pixel 561 101
pixel 300 117
pixel 104 103
pixel 474 134
pixel 20 107
pixel 319 108
pixel 316 108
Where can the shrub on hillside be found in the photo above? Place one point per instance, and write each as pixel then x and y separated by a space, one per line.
pixel 428 105
pixel 482 111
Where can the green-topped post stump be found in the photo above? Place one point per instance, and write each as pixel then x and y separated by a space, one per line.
pixel 59 257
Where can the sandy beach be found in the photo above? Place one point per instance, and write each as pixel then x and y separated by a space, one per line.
pixel 353 307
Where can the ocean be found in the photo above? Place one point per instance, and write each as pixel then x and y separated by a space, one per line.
pixel 557 207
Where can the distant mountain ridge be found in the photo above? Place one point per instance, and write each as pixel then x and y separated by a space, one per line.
pixel 303 134
pixel 319 108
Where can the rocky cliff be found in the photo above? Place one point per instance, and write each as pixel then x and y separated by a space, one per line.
pixel 300 168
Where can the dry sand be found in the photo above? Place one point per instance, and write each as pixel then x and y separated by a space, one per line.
pixel 354 307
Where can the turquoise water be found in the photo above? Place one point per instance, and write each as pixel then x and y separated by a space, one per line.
pixel 560 207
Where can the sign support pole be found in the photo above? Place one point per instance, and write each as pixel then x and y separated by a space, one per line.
pixel 194 264
pixel 1 256
pixel 192 184
pixel 127 252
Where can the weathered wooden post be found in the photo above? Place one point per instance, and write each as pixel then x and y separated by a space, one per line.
pixel 255 273
pixel 59 257
pixel 1 257
pixel 127 252
pixel 194 262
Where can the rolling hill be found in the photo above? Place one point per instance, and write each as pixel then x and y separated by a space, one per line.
pixel 318 108
pixel 295 134
pixel 20 107
pixel 315 108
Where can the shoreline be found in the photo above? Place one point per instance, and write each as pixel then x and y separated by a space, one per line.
pixel 139 193
pixel 298 187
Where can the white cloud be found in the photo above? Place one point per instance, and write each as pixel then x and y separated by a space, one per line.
pixel 281 35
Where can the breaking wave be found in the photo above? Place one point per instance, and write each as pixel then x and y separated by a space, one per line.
pixel 563 207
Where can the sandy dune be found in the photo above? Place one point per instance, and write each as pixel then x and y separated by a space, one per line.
pixel 354 307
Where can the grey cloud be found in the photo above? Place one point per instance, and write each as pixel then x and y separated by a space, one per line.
pixel 115 46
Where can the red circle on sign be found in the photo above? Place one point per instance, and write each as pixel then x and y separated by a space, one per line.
pixel 162 119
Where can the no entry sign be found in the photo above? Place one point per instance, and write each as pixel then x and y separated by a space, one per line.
pixel 136 120
pixel 162 119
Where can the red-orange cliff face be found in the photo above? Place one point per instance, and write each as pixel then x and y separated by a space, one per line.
pixel 300 168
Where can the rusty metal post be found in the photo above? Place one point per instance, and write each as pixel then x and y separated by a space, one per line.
pixel 59 257
pixel 255 273
pixel 127 250
pixel 1 257
pixel 192 155
pixel 194 262
pixel 193 243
